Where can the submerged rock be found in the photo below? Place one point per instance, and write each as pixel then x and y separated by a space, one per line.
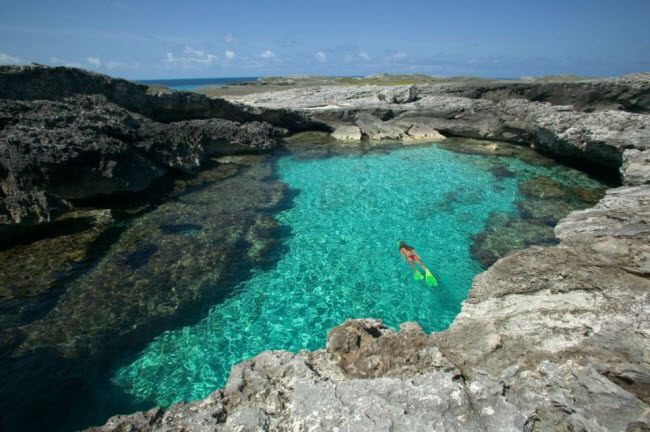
pixel 496 148
pixel 544 211
pixel 308 145
pixel 463 195
pixel 501 172
pixel 546 202
pixel 150 275
pixel 545 187
pixel 505 233
pixel 32 274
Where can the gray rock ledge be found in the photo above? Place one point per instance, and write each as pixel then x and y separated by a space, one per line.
pixel 422 111
pixel 67 134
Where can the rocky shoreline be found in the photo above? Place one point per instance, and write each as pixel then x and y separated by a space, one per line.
pixel 423 112
pixel 549 338
pixel 95 224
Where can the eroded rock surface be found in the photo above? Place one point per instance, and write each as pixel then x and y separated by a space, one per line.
pixel 53 152
pixel 599 137
pixel 38 82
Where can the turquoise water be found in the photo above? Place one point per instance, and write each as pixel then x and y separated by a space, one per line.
pixel 342 262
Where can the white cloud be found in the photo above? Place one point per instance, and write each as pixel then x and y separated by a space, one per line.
pixel 94 61
pixel 56 60
pixel 267 54
pixel 7 59
pixel 364 55
pixel 200 56
pixel 321 57
pixel 230 55
pixel 191 57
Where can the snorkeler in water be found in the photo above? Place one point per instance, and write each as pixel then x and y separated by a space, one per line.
pixel 409 255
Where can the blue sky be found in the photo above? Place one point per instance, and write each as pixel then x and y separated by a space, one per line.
pixel 199 39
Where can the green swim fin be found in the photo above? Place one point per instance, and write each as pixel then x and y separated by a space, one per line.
pixel 417 275
pixel 431 280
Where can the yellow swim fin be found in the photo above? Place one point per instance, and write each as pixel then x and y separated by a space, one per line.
pixel 431 280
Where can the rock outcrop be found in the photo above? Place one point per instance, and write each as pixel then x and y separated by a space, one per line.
pixel 57 150
pixel 36 82
pixel 598 137
pixel 347 133
pixel 626 93
pixel 549 338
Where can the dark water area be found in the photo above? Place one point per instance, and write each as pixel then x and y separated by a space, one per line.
pixel 152 254
pixel 150 301
pixel 194 83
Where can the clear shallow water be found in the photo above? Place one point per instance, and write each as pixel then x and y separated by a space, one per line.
pixel 342 262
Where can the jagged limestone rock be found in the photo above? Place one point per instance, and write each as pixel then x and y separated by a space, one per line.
pixel 636 167
pixel 86 146
pixel 347 133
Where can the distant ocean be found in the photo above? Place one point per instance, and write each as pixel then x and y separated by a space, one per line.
pixel 192 83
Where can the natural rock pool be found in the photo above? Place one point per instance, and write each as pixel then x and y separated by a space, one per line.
pixel 341 259
pixel 461 203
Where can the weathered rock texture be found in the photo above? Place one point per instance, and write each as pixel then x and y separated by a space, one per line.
pixel 56 149
pixel 628 93
pixel 36 82
pixel 550 338
pixel 597 134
